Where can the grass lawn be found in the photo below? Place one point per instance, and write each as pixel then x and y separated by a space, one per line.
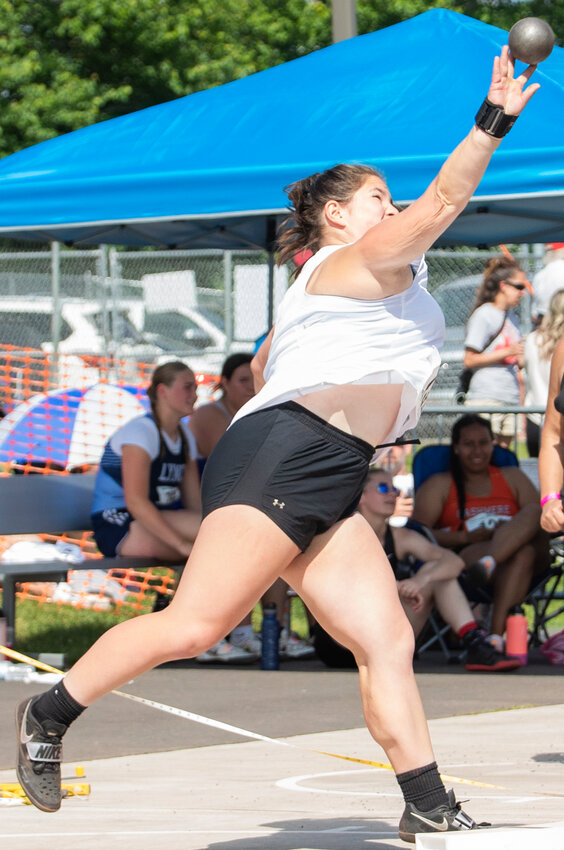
pixel 63 628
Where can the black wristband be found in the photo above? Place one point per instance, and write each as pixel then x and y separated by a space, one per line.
pixel 493 120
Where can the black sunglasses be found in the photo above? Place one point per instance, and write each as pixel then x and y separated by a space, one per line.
pixel 519 286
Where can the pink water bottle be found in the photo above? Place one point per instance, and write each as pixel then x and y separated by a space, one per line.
pixel 517 634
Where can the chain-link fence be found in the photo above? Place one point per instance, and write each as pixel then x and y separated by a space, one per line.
pixel 145 305
pixel 151 306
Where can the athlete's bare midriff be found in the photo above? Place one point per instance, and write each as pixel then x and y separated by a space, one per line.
pixel 367 411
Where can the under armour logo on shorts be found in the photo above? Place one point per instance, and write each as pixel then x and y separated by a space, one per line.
pixel 278 504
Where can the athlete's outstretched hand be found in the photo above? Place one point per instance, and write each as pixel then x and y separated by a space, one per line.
pixel 507 90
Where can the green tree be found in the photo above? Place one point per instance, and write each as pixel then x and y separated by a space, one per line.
pixel 43 92
pixel 70 63
pixel 375 14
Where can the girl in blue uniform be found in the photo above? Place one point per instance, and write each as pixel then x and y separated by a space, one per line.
pixel 147 495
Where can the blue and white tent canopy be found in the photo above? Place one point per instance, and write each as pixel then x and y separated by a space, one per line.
pixel 68 427
pixel 208 170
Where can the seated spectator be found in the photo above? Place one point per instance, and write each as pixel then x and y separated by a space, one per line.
pixel 208 423
pixel 434 582
pixel 147 494
pixel 489 516
pixel 426 577
pixel 539 348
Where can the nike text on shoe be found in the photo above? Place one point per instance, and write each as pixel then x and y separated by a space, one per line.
pixel 38 763
pixel 445 818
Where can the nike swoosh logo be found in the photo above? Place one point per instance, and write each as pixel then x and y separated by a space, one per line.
pixel 24 737
pixel 442 826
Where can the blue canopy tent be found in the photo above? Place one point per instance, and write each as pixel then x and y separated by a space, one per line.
pixel 208 170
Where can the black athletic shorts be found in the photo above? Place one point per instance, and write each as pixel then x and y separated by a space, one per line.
pixel 289 463
pixel 110 528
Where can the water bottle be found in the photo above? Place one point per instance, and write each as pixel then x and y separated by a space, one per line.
pixel 270 634
pixel 517 634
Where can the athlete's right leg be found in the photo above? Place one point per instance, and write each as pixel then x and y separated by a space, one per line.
pixel 237 556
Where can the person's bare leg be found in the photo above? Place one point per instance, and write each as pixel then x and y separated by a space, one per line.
pixel 452 604
pixel 511 581
pixel 345 579
pixel 237 555
pixel 141 543
pixel 508 538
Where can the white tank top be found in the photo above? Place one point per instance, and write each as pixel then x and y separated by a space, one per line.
pixel 327 340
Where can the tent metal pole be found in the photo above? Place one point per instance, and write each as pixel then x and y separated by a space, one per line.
pixel 102 295
pixel 115 275
pixel 56 315
pixel 343 18
pixel 270 289
pixel 55 295
pixel 228 299
pixel 270 241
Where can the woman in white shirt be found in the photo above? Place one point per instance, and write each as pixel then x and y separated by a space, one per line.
pixel 493 345
pixel 346 369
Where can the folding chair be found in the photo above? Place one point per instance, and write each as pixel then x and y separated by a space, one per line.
pixel 547 590
pixel 546 598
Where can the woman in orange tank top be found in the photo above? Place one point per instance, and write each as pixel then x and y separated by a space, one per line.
pixel 489 515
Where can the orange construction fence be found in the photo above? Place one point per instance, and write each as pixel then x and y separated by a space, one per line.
pixel 58 411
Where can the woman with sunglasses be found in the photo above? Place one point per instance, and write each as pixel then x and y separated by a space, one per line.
pixel 427 578
pixel 494 348
pixel 345 370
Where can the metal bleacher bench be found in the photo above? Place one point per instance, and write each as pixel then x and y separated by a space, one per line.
pixel 35 504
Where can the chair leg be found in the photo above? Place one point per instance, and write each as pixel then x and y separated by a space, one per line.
pixel 546 595
pixel 439 630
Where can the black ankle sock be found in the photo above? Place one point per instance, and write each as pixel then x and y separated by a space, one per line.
pixel 58 705
pixel 423 786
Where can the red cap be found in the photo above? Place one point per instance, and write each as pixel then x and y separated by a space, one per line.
pixel 555 246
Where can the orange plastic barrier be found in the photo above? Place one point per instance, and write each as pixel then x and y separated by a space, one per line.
pixel 60 410
pixel 48 428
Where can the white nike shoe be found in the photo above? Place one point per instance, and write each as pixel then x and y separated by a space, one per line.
pixel 447 817
pixel 250 643
pixel 224 652
pixel 292 647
